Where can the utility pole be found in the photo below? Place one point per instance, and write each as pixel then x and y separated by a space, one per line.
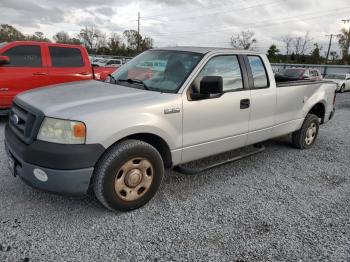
pixel 347 44
pixel 329 46
pixel 138 31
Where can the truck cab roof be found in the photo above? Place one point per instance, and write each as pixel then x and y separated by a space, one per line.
pixel 205 50
pixel 14 43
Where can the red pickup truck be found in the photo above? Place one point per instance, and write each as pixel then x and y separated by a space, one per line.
pixel 26 65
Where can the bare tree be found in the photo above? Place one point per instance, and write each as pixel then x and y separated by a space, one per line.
pixel 101 40
pixel 287 40
pixel 132 38
pixel 301 44
pixel 62 37
pixel 243 40
pixel 90 37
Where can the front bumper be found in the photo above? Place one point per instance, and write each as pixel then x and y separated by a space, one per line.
pixel 68 182
pixel 65 173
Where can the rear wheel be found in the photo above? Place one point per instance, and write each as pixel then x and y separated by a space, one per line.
pixel 128 175
pixel 305 137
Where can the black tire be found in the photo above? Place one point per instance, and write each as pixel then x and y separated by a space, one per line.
pixel 299 137
pixel 105 173
pixel 342 89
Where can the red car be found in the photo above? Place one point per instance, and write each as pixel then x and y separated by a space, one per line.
pixel 296 74
pixel 26 65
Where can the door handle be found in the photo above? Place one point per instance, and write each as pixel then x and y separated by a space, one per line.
pixel 245 103
pixel 39 74
pixel 84 73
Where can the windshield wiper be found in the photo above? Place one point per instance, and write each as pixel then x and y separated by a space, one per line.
pixel 134 81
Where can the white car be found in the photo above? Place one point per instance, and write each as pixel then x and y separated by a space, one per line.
pixel 114 63
pixel 342 80
pixel 100 62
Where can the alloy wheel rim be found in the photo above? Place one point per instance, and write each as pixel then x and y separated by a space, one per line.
pixel 134 179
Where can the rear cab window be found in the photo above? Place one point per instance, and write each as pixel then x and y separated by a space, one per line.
pixel 258 71
pixel 24 56
pixel 66 57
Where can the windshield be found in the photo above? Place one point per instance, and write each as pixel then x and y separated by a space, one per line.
pixel 335 76
pixel 292 72
pixel 159 70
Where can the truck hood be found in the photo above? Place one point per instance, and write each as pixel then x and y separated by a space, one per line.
pixel 78 98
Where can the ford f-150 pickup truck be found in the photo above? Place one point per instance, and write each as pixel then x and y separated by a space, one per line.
pixel 26 65
pixel 117 137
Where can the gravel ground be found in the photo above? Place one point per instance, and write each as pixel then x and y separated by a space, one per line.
pixel 281 205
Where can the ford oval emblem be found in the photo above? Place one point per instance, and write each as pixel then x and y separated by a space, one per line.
pixel 15 119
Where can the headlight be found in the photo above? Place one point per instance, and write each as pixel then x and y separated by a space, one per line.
pixel 62 131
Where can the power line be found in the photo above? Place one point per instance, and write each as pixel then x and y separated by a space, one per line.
pixel 214 13
pixel 180 13
pixel 264 23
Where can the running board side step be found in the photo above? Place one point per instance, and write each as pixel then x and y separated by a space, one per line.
pixel 193 171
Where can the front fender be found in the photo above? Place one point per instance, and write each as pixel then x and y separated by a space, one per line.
pixel 172 143
pixel 111 126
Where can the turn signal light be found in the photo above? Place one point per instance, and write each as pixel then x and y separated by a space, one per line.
pixel 79 130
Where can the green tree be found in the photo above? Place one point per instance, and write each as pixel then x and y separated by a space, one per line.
pixel 136 43
pixel 334 56
pixel 8 33
pixel 344 43
pixel 272 53
pixel 146 43
pixel 37 36
pixel 315 54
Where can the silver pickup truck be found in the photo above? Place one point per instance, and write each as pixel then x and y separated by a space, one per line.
pixel 164 108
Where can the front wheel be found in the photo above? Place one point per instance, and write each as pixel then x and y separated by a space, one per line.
pixel 128 175
pixel 342 89
pixel 306 136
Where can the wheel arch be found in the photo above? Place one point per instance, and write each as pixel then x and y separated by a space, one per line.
pixel 155 140
pixel 319 109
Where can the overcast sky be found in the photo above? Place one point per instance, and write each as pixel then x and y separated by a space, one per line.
pixel 183 22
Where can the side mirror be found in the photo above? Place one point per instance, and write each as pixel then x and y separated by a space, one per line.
pixel 4 60
pixel 210 87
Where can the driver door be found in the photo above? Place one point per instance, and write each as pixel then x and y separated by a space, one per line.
pixel 216 125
